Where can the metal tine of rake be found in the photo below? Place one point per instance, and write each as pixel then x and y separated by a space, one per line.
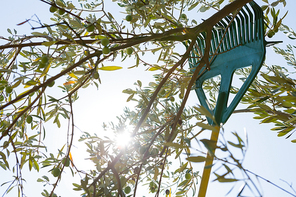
pixel 236 43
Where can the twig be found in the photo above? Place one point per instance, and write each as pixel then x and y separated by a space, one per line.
pixel 69 147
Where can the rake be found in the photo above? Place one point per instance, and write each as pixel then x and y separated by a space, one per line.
pixel 237 42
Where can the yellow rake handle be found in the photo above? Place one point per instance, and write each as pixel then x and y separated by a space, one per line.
pixel 208 165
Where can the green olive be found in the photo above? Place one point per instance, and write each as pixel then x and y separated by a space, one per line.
pixel 42 65
pixel 1 98
pixel 181 96
pixel 183 16
pixel 129 17
pixel 56 172
pixel 90 28
pixel 29 119
pixel 8 89
pixel 127 189
pixel 44 59
pixel 66 161
pixel 129 51
pixel 187 176
pixel 105 41
pixel 152 186
pixel 96 75
pixel 61 12
pixel 53 9
pixel 51 84
pixel 105 50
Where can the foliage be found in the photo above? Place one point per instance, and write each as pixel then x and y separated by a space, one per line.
pixel 42 73
pixel 273 96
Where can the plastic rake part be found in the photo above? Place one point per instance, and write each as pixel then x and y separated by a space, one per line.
pixel 236 43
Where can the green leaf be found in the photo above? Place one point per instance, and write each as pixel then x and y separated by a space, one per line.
pixel 175 145
pixel 110 68
pixel 193 6
pixel 225 180
pixel 39 34
pixel 196 159
pixel 185 182
pixel 236 145
pixel 207 126
pixel 182 167
pixel 130 97
pixel 49 43
pixel 154 68
pixel 205 112
pixel 264 7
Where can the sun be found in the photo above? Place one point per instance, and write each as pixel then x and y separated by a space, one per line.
pixel 123 139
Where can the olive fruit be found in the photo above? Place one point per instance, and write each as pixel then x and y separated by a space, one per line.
pixel 137 170
pixel 183 16
pixel 127 189
pixel 152 186
pixel 129 17
pixel 181 96
pixel 44 59
pixel 56 172
pixel 129 51
pixel 172 99
pixel 8 89
pixel 167 192
pixel 66 161
pixel 96 75
pixel 187 176
pixel 105 41
pixel 1 98
pixel 106 50
pixel 29 119
pixel 42 65
pixel 90 28
pixel 61 12
pixel 53 9
pixel 51 84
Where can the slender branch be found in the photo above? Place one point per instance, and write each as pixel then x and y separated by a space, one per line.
pixel 147 151
pixel 118 182
pixel 21 114
pixel 62 73
pixel 161 174
pixel 153 97
pixel 70 145
pixel 268 181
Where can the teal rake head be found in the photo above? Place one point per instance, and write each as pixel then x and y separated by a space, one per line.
pixel 236 43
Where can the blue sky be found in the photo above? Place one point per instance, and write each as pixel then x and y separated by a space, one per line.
pixel 269 156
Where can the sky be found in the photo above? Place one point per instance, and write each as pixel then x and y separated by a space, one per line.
pixel 269 156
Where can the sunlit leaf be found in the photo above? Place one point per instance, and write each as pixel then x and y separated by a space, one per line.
pixel 69 83
pixel 154 68
pixel 196 159
pixel 175 145
pixel 110 68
